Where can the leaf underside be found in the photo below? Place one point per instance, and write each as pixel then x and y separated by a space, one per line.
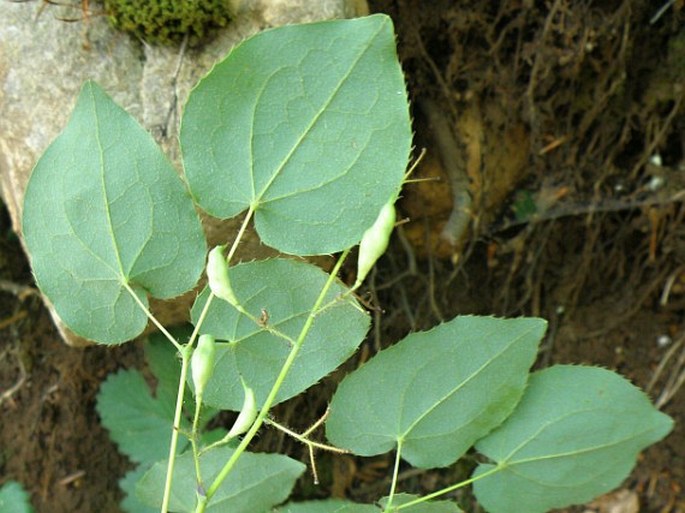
pixel 436 392
pixel 310 125
pixel 257 483
pixel 286 291
pixel 104 208
pixel 327 506
pixel 575 435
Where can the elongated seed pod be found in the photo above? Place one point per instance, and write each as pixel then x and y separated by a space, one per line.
pixel 375 241
pixel 247 414
pixel 217 276
pixel 202 363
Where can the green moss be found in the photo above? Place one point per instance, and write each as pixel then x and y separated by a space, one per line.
pixel 168 21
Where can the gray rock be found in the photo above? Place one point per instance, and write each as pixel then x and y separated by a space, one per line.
pixel 44 61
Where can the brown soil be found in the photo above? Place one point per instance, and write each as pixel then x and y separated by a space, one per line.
pixel 554 110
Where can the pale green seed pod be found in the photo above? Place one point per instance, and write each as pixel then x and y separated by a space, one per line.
pixel 217 276
pixel 375 241
pixel 247 414
pixel 202 363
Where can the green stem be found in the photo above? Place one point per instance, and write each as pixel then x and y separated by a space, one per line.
pixel 395 474
pixel 449 489
pixel 241 232
pixel 154 320
pixel 186 352
pixel 185 360
pixel 275 332
pixel 271 398
pixel 210 297
pixel 195 436
pixel 302 438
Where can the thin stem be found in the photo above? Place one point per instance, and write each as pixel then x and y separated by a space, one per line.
pixel 343 297
pixel 395 473
pixel 449 488
pixel 186 352
pixel 309 443
pixel 316 424
pixel 275 332
pixel 312 461
pixel 185 360
pixel 216 444
pixel 194 437
pixel 241 232
pixel 210 298
pixel 178 412
pixel 302 438
pixel 413 167
pixel 271 398
pixel 154 320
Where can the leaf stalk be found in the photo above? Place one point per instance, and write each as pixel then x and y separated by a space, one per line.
pixel 271 398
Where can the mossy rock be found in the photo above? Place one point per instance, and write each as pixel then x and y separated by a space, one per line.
pixel 168 21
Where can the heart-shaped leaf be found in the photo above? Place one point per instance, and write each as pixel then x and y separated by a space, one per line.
pixel 309 125
pixel 435 393
pixel 106 214
pixel 282 293
pixel 575 435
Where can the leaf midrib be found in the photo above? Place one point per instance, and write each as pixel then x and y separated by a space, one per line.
pixel 257 198
pixel 105 195
pixel 632 436
pixel 464 382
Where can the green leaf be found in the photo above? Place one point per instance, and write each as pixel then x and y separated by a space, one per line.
pixel 307 123
pixel 139 424
pixel 104 209
pixel 327 506
pixel 14 499
pixel 286 290
pixel 257 482
pixel 128 483
pixel 423 507
pixel 436 392
pixel 575 435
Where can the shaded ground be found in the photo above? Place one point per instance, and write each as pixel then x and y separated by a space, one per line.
pixel 50 437
pixel 555 111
